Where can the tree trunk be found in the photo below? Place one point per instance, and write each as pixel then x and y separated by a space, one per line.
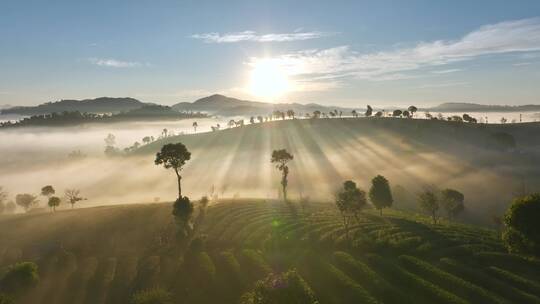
pixel 178 177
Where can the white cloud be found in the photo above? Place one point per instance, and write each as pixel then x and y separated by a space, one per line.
pixel 114 63
pixel 446 71
pixel 254 36
pixel 341 62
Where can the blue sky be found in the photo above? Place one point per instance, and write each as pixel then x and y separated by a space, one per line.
pixel 332 52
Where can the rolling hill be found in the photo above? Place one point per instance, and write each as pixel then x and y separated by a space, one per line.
pixel 227 106
pixel 97 105
pixel 474 107
pixel 106 254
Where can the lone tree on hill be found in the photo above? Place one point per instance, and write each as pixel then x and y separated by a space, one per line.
pixel 281 158
pixel 429 203
pixel 54 201
pixel 25 200
pixel 174 156
pixel 73 196
pixel 350 200
pixel 47 191
pixel 452 201
pixel 380 193
pixel 522 234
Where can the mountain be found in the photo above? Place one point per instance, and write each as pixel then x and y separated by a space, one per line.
pixel 227 106
pixel 473 107
pixel 97 105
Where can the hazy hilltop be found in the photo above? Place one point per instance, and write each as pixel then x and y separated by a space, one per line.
pixel 97 105
pixel 474 107
pixel 227 106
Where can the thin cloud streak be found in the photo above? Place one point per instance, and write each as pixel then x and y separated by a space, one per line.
pixel 254 36
pixel 113 63
pixel 344 63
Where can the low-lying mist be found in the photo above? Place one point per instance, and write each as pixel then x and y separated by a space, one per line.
pixel 236 162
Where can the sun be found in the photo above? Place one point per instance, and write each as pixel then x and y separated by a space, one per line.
pixel 268 80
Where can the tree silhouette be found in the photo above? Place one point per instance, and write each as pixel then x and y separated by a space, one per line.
pixel 316 114
pixel 47 191
pixel 380 194
pixel 397 113
pixel 522 234
pixel 260 119
pixel 412 110
pixel 231 123
pixel 110 140
pixel 146 140
pixel 25 200
pixel 369 111
pixel 379 114
pixel 350 200
pixel 174 156
pixel 73 196
pixel 281 158
pixel 354 113
pixel 406 114
pixel 195 125
pixel 54 201
pixel 429 203
pixel 290 114
pixel 452 202
pixel 252 120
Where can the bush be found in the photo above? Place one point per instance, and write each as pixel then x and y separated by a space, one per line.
pixel 152 296
pixel 287 287
pixel 19 278
pixel 523 228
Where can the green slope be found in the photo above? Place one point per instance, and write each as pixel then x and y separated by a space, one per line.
pixel 105 254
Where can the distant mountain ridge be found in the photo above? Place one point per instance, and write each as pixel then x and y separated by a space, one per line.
pixel 474 107
pixel 97 105
pixel 228 106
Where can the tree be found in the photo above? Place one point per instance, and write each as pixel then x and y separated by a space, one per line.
pixel 155 295
pixel 406 114
pixel 47 191
pixel 397 113
pixel 26 201
pixel 3 197
pixel 231 123
pixel 522 234
pixel 195 125
pixel 429 203
pixel 110 140
pixel 146 140
pixel 290 114
pixel 19 278
pixel 379 114
pixel 369 111
pixel 281 158
pixel 452 202
pixel 73 196
pixel 316 114
pixel 380 194
pixel 252 120
pixel 260 119
pixel 350 200
pixel 354 113
pixel 54 201
pixel 174 156
pixel 412 110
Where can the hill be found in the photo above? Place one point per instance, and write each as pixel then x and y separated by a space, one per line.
pixel 473 107
pixel 97 105
pixel 106 254
pixel 227 106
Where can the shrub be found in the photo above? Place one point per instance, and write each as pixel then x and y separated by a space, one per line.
pixel 19 278
pixel 523 228
pixel 287 287
pixel 152 296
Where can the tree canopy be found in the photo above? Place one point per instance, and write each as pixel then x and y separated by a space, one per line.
pixel 174 156
pixel 452 201
pixel 380 194
pixel 522 233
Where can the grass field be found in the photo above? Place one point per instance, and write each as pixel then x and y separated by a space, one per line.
pixel 105 254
